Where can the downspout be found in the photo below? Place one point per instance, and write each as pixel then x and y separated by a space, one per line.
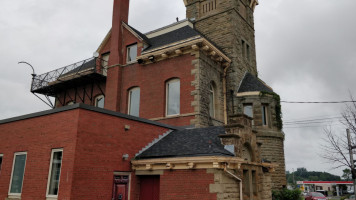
pixel 237 178
pixel 225 93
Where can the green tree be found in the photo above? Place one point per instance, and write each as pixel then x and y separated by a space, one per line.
pixel 346 174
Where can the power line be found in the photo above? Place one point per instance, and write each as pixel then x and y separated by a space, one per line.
pixel 315 102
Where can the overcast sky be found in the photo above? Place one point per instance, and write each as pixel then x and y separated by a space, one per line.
pixel 306 50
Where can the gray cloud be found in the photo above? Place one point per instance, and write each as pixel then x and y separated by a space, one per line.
pixel 305 50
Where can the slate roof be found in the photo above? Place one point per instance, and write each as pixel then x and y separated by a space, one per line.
pixel 188 143
pixel 171 37
pixel 251 83
pixel 143 36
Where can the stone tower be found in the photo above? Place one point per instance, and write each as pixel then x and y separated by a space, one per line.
pixel 230 25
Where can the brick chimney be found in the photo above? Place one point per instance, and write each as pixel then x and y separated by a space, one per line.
pixel 113 83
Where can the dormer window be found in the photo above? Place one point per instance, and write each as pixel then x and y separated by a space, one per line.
pixel 131 53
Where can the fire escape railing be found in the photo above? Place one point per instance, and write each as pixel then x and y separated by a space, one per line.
pixel 84 67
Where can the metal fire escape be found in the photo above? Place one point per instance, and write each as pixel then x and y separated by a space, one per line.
pixel 75 77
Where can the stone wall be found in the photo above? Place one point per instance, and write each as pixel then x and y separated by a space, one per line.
pixel 206 71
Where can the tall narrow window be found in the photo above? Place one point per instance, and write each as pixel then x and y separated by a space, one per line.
pixel 246 182
pixel 248 56
pixel 134 102
pixel 54 173
pixel 99 101
pixel 264 115
pixel 131 53
pixel 254 182
pixel 1 155
pixel 211 101
pixel 104 63
pixel 243 48
pixel 173 97
pixel 18 172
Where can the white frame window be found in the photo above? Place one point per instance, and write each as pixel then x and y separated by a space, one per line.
pixel 98 100
pixel 173 97
pixel 211 100
pixel 16 169
pixel 1 160
pixel 134 102
pixel 131 53
pixel 105 62
pixel 54 173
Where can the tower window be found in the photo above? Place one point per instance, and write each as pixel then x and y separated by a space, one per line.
pixel 99 101
pixel 134 102
pixel 248 110
pixel 264 115
pixel 212 100
pixel 173 97
pixel 131 53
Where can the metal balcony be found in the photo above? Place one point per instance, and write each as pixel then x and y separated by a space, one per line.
pixel 50 83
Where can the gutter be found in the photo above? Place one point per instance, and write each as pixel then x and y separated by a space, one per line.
pixel 237 178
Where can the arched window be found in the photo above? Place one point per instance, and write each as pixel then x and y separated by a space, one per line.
pixel 99 101
pixel 134 102
pixel 212 100
pixel 173 97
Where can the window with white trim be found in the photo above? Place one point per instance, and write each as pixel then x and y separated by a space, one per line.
pixel 173 97
pixel 99 101
pixel 54 173
pixel 131 53
pixel 134 102
pixel 212 100
pixel 104 63
pixel 18 172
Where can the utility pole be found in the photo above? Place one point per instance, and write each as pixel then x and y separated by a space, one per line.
pixel 351 158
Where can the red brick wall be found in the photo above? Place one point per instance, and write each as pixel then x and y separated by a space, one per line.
pixel 152 82
pixel 38 136
pixel 102 141
pixel 186 184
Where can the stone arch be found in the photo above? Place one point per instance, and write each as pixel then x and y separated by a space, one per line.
pixel 247 153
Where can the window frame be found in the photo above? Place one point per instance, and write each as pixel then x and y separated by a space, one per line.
pixel 12 173
pixel 249 104
pixel 212 106
pixel 128 47
pixel 50 173
pixel 167 96
pixel 264 114
pixel 129 101
pixel 96 100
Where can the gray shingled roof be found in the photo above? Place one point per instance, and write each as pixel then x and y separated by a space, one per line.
pixel 188 143
pixel 171 37
pixel 251 83
pixel 143 36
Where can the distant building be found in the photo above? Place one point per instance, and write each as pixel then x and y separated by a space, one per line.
pixel 329 187
pixel 176 113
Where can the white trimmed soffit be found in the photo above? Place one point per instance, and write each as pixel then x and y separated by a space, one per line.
pixel 199 162
pixel 256 93
pixel 103 43
pixel 193 42
pixel 154 142
pixel 169 28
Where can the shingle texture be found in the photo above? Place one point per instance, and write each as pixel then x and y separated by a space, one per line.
pixel 188 143
pixel 251 83
pixel 143 36
pixel 171 37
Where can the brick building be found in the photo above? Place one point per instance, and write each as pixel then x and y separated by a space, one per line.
pixel 176 113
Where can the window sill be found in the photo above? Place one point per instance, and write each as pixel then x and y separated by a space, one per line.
pixel 173 116
pixel 13 197
pixel 51 198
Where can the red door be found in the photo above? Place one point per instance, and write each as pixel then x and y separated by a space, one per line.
pixel 149 188
pixel 120 189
